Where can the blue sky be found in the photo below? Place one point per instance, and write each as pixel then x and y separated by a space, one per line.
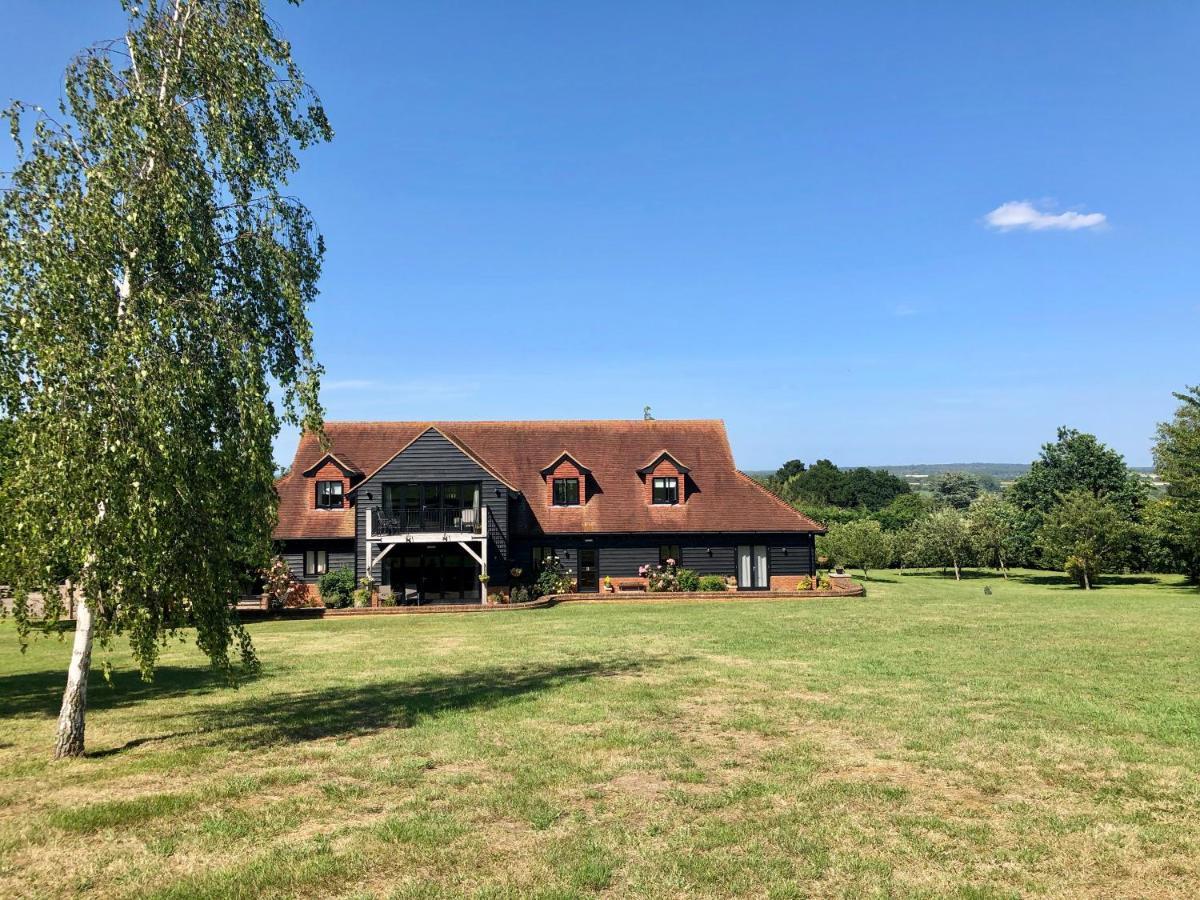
pixel 771 213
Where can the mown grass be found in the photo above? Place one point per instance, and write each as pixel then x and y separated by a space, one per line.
pixel 928 740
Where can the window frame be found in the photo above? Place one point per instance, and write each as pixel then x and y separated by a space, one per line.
pixel 664 553
pixel 567 501
pixel 316 563
pixel 670 492
pixel 341 494
pixel 539 555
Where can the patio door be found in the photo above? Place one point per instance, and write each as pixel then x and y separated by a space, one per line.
pixel 752 570
pixel 589 580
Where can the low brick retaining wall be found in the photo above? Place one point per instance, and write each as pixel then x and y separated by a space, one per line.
pixel 854 590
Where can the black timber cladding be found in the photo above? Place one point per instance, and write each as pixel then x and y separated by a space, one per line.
pixel 432 457
pixel 621 555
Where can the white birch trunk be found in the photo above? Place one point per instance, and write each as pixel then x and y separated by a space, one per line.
pixel 71 719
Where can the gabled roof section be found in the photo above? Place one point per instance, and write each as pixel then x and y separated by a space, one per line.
pixel 723 501
pixel 466 451
pixel 546 470
pixel 348 468
pixel 663 454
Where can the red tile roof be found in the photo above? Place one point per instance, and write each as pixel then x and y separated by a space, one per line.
pixel 719 499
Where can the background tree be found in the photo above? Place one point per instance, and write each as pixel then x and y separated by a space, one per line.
pixel 1074 462
pixel 862 544
pixel 992 524
pixel 904 510
pixel 1176 521
pixel 956 489
pixel 1086 535
pixel 154 285
pixel 941 539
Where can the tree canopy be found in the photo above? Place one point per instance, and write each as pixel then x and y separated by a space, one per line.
pixel 154 286
pixel 1086 535
pixel 824 484
pixel 1176 519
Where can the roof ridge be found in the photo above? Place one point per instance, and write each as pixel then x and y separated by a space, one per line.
pixel 524 421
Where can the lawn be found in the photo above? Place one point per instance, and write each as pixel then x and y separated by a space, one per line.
pixel 928 740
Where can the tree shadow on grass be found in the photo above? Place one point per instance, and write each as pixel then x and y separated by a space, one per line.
pixel 948 575
pixel 354 710
pixel 40 693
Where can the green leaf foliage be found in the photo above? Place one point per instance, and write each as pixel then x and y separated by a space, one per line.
pixel 154 285
pixel 863 545
pixel 1175 522
pixel 1087 535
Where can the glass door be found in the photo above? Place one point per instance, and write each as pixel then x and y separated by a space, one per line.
pixel 589 580
pixel 752 570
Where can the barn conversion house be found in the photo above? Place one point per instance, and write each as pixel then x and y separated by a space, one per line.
pixel 425 508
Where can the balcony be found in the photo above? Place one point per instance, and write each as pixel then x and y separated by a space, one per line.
pixel 391 522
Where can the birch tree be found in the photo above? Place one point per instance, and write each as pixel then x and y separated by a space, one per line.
pixel 154 285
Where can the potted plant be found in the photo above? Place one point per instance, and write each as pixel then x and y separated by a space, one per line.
pixel 608 584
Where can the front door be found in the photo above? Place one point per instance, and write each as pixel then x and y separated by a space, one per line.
pixel 589 581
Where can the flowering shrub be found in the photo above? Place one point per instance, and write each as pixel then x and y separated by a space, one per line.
pixel 281 587
pixel 669 577
pixel 552 579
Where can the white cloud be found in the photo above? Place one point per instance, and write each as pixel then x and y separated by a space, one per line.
pixel 904 310
pixel 1023 214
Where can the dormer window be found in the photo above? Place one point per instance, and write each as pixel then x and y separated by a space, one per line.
pixel 666 490
pixel 566 491
pixel 329 495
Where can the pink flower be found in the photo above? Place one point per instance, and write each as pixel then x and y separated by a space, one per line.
pixel 670 562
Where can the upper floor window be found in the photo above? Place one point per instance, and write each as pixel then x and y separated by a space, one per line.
pixel 566 491
pixel 666 490
pixel 329 495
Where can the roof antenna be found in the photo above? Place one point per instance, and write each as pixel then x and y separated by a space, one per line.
pixel 647 416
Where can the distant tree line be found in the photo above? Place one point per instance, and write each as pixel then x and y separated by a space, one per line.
pixel 1079 509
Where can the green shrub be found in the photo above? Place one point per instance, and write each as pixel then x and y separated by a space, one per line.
pixel 337 587
pixel 687 580
pixel 712 583
pixel 362 594
pixel 519 594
